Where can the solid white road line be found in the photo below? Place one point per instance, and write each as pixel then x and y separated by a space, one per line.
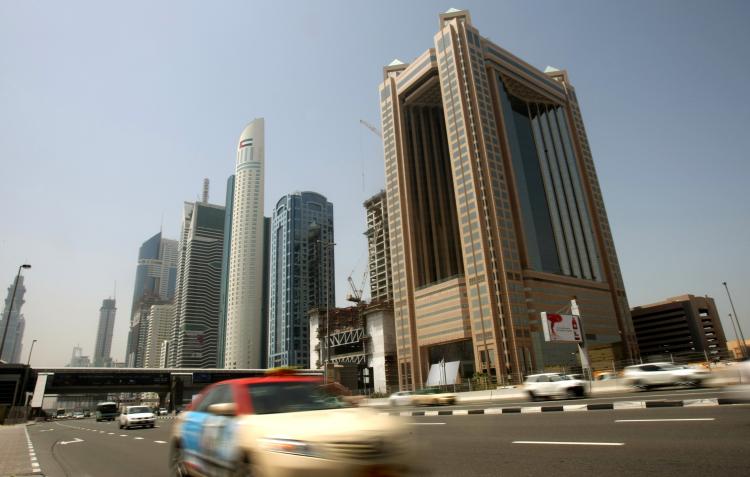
pixel 667 420
pixel 571 443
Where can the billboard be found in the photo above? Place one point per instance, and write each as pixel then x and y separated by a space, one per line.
pixel 562 328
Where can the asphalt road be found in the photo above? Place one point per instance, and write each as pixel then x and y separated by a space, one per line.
pixel 589 443
pixel 657 395
pixel 86 448
pixel 705 441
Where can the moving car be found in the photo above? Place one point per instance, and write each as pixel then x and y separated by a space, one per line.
pixel 78 415
pixel 284 425
pixel 163 411
pixel 401 398
pixel 432 397
pixel 645 376
pixel 137 416
pixel 106 411
pixel 553 385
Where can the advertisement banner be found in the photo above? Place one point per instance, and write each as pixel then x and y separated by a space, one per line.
pixel 562 328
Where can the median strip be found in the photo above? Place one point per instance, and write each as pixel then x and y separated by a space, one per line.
pixel 617 405
pixel 571 443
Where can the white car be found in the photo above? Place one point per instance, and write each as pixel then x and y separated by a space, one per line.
pixel 401 398
pixel 553 385
pixel 645 376
pixel 137 416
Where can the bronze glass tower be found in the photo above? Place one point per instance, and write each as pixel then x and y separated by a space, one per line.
pixel 494 212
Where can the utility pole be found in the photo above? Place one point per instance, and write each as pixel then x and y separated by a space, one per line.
pixel 743 347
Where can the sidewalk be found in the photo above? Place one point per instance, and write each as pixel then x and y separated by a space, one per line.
pixel 14 451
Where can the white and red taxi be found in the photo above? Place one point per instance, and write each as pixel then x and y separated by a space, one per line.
pixel 285 425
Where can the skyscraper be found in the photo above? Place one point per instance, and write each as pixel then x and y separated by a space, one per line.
pixel 194 342
pixel 495 212
pixel 378 248
pixel 225 255
pixel 103 345
pixel 16 323
pixel 244 317
pixel 302 275
pixel 158 329
pixel 155 282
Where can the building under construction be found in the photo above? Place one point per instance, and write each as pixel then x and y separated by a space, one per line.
pixel 361 343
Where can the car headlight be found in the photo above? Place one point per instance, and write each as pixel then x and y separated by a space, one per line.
pixel 288 446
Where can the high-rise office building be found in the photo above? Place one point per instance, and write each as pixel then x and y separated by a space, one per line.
pixel 158 329
pixel 495 212
pixel 155 282
pixel 302 274
pixel 378 248
pixel 194 337
pixel 103 345
pixel 244 340
pixel 225 255
pixel 16 323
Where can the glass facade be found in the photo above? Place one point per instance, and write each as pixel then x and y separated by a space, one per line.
pixel 554 213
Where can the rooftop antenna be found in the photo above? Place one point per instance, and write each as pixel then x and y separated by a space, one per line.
pixel 114 296
pixel 205 190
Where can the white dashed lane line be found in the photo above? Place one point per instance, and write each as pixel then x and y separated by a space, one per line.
pixel 160 442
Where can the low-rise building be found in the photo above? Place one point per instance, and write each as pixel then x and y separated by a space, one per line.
pixel 681 325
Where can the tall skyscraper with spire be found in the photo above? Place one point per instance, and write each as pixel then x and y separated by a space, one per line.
pixel 16 325
pixel 104 333
pixel 244 339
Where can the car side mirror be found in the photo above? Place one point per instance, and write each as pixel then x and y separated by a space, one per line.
pixel 223 409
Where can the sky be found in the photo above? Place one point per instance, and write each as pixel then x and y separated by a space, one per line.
pixel 112 113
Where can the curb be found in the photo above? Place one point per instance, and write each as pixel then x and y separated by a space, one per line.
pixel 618 405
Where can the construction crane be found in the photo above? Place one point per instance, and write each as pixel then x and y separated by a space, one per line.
pixel 356 295
pixel 372 128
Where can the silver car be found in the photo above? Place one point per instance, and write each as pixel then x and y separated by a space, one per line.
pixel 650 375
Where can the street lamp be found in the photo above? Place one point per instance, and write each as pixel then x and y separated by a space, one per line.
pixel 743 347
pixel 28 361
pixel 327 357
pixel 10 307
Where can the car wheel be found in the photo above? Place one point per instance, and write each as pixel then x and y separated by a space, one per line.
pixel 176 461
pixel 244 468
pixel 571 393
pixel 120 426
pixel 532 396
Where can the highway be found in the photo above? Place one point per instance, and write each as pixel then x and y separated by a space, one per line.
pixel 665 441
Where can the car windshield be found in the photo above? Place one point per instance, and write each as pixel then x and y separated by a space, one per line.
pixel 138 410
pixel 107 407
pixel 291 396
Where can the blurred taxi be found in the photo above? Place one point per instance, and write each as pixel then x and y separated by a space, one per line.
pixel 432 397
pixel 284 425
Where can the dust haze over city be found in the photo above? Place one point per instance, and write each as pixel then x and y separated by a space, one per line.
pixel 112 115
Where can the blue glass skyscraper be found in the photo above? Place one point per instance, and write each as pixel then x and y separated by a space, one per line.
pixel 301 274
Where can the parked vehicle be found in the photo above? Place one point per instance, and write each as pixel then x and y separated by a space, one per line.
pixel 553 385
pixel 645 376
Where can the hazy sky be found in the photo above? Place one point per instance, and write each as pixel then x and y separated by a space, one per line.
pixel 112 113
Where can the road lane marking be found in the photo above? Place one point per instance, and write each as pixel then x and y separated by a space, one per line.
pixel 427 423
pixel 161 442
pixel 76 439
pixel 667 420
pixel 123 435
pixel 571 443
pixel 110 433
pixel 138 438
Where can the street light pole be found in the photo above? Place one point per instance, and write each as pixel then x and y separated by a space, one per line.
pixel 743 348
pixel 10 307
pixel 326 350
pixel 28 361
